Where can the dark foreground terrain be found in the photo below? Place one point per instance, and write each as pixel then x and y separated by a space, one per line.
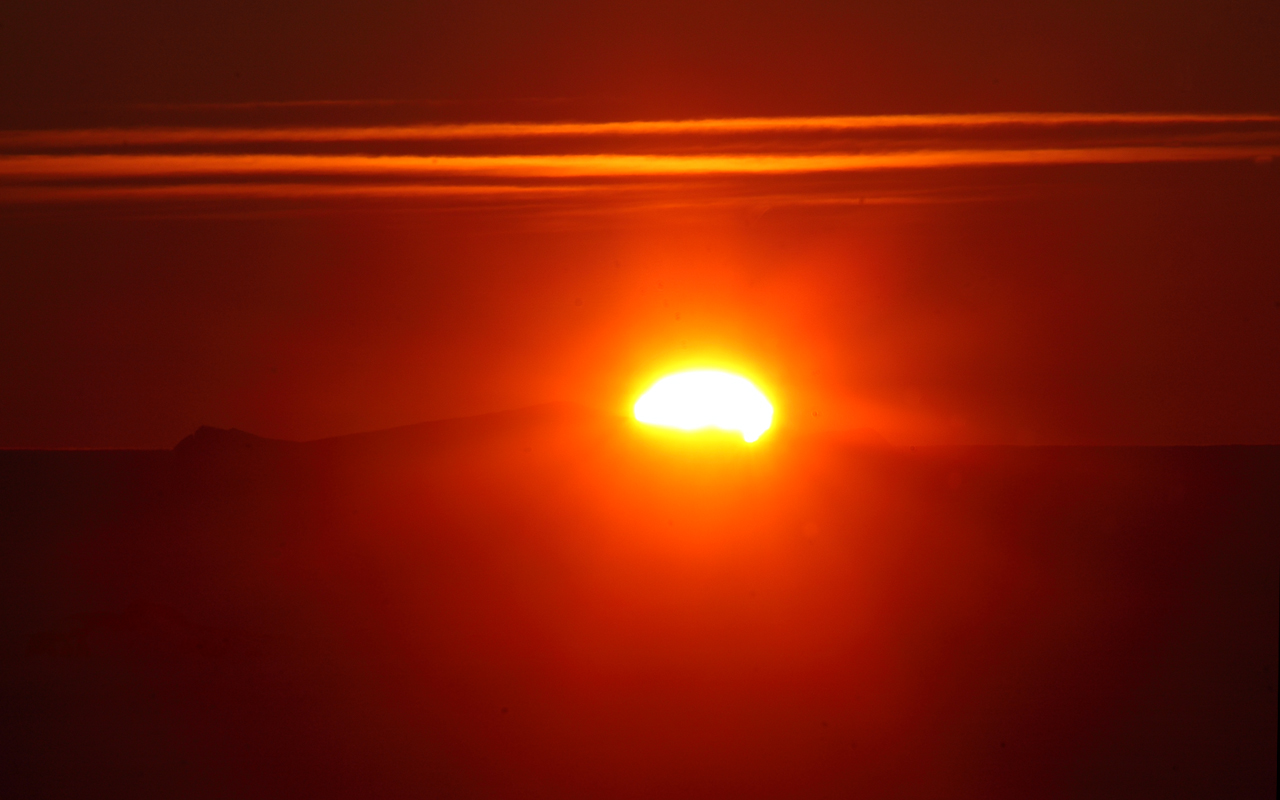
pixel 550 604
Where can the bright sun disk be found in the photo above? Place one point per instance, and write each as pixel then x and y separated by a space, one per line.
pixel 706 398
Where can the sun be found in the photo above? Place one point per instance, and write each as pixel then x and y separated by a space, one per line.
pixel 706 398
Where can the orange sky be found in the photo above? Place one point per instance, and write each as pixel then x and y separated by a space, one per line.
pixel 946 223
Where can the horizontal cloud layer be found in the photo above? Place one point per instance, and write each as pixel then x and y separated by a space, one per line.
pixel 547 160
pixel 745 125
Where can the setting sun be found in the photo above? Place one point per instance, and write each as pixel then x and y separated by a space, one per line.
pixel 706 399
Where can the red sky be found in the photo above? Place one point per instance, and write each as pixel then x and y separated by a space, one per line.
pixel 947 222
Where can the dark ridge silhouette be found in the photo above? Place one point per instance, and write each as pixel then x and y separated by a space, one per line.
pixel 207 440
pixel 553 602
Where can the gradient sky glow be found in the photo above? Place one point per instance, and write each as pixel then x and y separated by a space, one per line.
pixel 942 222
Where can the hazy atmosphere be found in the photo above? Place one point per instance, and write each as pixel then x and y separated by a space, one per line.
pixel 947 224
pixel 639 400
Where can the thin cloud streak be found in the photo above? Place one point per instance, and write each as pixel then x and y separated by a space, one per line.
pixel 281 191
pixel 113 137
pixel 111 166
pixel 258 200
pixel 647 195
pixel 247 166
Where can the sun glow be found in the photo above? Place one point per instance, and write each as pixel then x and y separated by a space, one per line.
pixel 706 398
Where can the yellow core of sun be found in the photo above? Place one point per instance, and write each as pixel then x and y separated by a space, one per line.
pixel 706 398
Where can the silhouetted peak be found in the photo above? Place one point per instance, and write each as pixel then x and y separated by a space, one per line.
pixel 207 439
